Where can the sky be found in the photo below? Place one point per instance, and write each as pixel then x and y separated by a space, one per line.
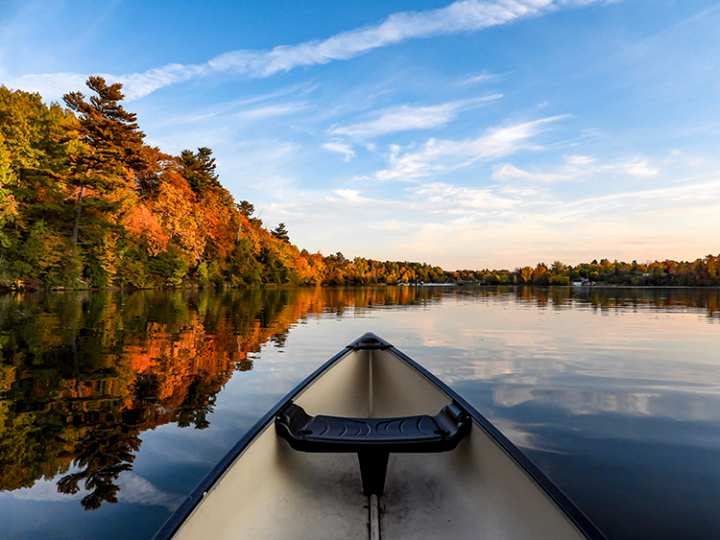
pixel 470 134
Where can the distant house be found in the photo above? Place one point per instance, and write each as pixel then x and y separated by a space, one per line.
pixel 584 282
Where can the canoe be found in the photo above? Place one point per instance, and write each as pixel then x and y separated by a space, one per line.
pixel 372 445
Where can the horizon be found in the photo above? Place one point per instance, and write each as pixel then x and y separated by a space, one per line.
pixel 457 134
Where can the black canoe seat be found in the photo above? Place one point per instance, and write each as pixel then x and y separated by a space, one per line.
pixel 422 433
pixel 373 439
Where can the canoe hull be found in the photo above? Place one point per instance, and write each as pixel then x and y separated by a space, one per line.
pixel 485 488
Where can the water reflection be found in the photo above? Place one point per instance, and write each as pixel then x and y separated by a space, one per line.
pixel 83 375
pixel 86 379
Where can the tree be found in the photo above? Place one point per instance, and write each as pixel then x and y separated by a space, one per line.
pixel 281 233
pixel 111 147
pixel 525 273
pixel 198 168
pixel 246 208
pixel 8 206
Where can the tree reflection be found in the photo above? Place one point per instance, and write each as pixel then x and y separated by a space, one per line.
pixel 199 402
pixel 83 375
pixel 103 453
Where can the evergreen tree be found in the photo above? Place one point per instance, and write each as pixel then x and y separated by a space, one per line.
pixel 246 208
pixel 281 233
pixel 111 150
pixel 198 168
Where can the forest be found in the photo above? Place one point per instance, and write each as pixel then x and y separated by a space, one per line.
pixel 86 203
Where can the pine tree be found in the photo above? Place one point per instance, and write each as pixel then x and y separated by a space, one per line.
pixel 281 233
pixel 111 148
pixel 246 208
pixel 198 168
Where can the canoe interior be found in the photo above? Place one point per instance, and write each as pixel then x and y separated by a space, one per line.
pixel 474 491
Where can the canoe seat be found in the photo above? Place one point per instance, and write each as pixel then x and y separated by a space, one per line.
pixel 373 439
pixel 420 433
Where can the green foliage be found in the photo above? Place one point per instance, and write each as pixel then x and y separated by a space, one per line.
pixel 246 208
pixel 281 233
pixel 559 280
pixel 133 268
pixel 199 169
pixel 8 205
pixel 171 266
pixel 273 269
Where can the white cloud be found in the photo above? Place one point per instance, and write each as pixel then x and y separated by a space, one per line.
pixel 405 118
pixel 271 111
pixel 134 489
pixel 479 78
pixel 579 160
pixel 640 168
pixel 340 148
pixel 442 198
pixel 507 171
pixel 460 16
pixel 682 195
pixel 576 167
pixel 352 196
pixel 239 108
pixel 439 156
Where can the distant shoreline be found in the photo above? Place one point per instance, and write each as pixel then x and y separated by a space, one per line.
pixel 579 288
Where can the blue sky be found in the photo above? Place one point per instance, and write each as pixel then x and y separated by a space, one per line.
pixel 469 134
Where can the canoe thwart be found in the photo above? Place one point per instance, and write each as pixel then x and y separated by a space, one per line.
pixel 373 439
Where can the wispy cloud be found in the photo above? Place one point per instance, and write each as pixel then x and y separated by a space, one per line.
pixel 460 16
pixel 405 118
pixel 479 78
pixel 341 148
pixel 576 167
pixel 352 196
pixel 256 106
pixel 508 171
pixel 641 168
pixel 134 489
pixel 443 198
pixel 691 193
pixel 271 111
pixel 439 156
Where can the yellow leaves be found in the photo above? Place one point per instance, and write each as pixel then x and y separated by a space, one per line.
pixel 180 216
pixel 8 205
pixel 219 221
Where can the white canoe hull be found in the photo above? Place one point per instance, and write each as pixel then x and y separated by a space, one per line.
pixel 484 488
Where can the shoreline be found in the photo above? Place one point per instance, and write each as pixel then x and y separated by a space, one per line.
pixel 582 288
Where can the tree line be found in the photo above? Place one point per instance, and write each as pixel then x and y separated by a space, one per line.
pixel 700 272
pixel 86 203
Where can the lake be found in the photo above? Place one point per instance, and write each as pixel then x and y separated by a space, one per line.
pixel 113 406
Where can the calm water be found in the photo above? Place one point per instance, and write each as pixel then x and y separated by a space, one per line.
pixel 112 407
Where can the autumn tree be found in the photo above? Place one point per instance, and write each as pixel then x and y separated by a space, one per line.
pixel 8 206
pixel 525 274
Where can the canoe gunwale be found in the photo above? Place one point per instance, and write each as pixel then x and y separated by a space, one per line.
pixel 581 521
pixel 173 523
